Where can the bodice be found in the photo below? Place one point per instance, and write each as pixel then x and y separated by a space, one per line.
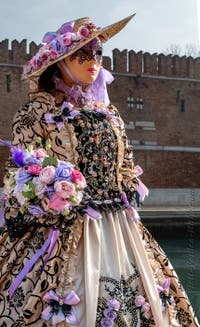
pixel 97 149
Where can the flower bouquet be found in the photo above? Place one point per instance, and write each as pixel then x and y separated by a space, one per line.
pixel 43 184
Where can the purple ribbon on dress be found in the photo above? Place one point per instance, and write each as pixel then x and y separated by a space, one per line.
pixel 164 294
pixel 130 210
pixel 142 189
pixel 93 213
pixel 49 244
pixel 64 310
pixel 59 119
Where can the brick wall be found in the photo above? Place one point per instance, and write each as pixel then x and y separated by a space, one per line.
pixel 169 88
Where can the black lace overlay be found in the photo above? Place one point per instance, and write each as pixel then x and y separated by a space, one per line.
pixel 124 291
pixel 97 149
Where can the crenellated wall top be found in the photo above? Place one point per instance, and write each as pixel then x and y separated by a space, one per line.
pixel 122 61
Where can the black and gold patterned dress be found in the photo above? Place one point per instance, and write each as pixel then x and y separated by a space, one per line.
pixel 113 264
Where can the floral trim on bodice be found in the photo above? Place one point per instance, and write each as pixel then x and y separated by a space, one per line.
pixel 97 149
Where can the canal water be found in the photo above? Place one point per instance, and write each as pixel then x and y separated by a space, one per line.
pixel 183 250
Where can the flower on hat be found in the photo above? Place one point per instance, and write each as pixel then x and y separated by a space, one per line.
pixel 83 31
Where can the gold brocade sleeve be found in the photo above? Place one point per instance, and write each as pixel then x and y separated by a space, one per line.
pixel 28 128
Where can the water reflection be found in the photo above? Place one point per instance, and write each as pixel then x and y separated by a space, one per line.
pixel 184 254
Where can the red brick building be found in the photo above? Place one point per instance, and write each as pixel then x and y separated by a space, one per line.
pixel 157 96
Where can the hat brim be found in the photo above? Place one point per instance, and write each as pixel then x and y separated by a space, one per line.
pixel 104 33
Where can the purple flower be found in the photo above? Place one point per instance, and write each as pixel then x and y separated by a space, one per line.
pixel 32 160
pixel 49 36
pixel 139 300
pixel 19 156
pixel 113 304
pixel 106 322
pixel 63 171
pixel 110 314
pixel 36 210
pixel 49 191
pixel 23 177
pixel 67 27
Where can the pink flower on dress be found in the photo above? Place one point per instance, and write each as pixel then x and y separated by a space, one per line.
pixel 34 169
pixel 64 189
pixel 147 315
pixel 139 300
pixel 113 304
pixel 47 175
pixel 146 307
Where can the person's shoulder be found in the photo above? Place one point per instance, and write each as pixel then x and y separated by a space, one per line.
pixel 38 104
pixel 42 97
pixel 113 109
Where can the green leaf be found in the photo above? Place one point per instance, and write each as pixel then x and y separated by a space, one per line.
pixel 50 161
pixel 29 191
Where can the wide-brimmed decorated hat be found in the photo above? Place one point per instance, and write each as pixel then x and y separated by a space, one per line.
pixel 70 37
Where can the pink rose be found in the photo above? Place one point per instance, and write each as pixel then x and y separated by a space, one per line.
pixel 39 188
pixel 67 39
pixel 39 153
pixel 139 300
pixel 34 169
pixel 53 54
pixel 47 175
pixel 58 204
pixel 64 189
pixel 79 179
pixel 78 197
pixel 44 57
pixel 83 31
pixel 146 307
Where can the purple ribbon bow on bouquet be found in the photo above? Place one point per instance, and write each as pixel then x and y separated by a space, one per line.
pixel 48 245
pixel 60 308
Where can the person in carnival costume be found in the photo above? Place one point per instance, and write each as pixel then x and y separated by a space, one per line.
pixel 74 251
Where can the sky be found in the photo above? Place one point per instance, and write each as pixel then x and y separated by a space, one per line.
pixel 158 24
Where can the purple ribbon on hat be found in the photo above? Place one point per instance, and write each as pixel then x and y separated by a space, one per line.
pixel 49 244
pixel 65 28
pixel 60 308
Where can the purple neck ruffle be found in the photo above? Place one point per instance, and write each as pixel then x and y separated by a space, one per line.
pixel 96 92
